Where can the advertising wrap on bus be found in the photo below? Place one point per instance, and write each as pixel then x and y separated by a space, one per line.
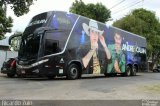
pixel 65 44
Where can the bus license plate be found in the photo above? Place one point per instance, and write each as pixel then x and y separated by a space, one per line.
pixel 23 72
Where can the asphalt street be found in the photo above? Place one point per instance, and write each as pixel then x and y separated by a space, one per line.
pixel 142 86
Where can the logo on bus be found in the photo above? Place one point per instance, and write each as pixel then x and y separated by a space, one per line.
pixel 61 61
pixel 38 22
pixel 133 48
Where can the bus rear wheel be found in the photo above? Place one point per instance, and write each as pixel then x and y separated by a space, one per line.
pixel 134 70
pixel 73 72
pixel 128 71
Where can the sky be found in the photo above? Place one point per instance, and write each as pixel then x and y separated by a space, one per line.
pixel 119 8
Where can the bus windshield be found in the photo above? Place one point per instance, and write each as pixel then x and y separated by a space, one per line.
pixel 30 43
pixel 29 47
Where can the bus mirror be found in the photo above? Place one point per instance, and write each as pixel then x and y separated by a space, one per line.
pixel 13 37
pixel 14 42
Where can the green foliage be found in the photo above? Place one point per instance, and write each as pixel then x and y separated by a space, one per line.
pixel 2 37
pixel 95 11
pixel 5 23
pixel 20 7
pixel 144 23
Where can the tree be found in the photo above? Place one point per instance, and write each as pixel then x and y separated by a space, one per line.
pixel 19 7
pixel 144 23
pixel 95 11
pixel 5 23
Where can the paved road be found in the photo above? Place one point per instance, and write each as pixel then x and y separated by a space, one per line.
pixel 142 86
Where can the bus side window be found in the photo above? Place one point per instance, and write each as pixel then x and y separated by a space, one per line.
pixel 51 47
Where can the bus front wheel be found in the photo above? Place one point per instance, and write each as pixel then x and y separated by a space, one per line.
pixel 73 72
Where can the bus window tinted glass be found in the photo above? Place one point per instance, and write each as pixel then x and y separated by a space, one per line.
pixel 51 46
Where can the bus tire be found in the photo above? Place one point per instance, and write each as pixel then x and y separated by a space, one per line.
pixel 73 72
pixel 134 70
pixel 128 71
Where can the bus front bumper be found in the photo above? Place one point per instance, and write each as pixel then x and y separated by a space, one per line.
pixel 32 69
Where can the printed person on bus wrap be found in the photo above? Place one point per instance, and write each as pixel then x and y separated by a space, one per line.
pixel 94 55
pixel 117 63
